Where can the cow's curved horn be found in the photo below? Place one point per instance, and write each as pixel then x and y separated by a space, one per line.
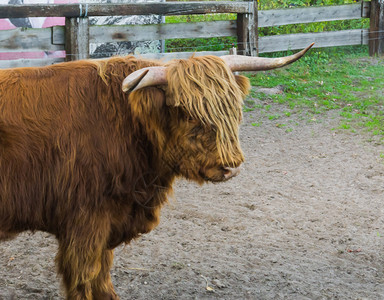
pixel 249 63
pixel 145 77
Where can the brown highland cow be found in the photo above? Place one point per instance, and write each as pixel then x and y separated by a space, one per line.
pixel 92 164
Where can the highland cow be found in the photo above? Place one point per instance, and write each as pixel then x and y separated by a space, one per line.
pixel 92 164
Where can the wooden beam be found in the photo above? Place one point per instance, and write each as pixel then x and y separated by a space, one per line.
pixel 365 9
pixel 76 38
pixel 5 64
pixel 27 39
pixel 247 30
pixel 277 17
pixel 121 9
pixel 254 30
pixel 242 34
pixel 118 33
pixel 179 55
pixel 376 29
pixel 20 63
pixel 322 39
pixel 58 35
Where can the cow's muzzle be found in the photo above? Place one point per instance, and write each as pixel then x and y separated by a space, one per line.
pixel 218 174
pixel 230 172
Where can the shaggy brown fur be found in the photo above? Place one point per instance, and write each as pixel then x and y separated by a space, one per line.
pixel 207 90
pixel 84 161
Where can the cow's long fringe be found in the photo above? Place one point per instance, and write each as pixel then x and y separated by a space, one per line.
pixel 208 91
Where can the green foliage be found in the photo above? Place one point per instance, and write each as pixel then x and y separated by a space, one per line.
pixel 200 44
pixel 200 18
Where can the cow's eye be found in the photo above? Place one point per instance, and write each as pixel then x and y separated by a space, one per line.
pixel 192 120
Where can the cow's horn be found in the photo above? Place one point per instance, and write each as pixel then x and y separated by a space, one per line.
pixel 249 63
pixel 150 76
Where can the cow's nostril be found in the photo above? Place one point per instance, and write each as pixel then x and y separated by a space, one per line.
pixel 230 172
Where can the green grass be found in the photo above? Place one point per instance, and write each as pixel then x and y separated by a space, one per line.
pixel 344 80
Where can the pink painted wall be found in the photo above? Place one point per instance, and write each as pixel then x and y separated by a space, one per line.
pixel 32 23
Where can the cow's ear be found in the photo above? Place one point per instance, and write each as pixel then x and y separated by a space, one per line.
pixel 147 100
pixel 149 110
pixel 243 83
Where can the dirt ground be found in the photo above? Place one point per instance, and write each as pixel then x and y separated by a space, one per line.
pixel 303 220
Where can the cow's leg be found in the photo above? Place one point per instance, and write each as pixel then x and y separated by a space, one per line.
pixel 102 287
pixel 80 254
pixel 79 265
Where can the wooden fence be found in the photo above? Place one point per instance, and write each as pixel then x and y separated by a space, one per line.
pixel 76 35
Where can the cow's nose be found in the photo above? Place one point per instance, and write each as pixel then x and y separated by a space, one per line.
pixel 231 172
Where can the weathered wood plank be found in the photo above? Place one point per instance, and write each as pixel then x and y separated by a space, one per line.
pixel 321 39
pixel 276 17
pixel 18 63
pixel 365 9
pixel 58 35
pixel 30 39
pixel 247 30
pixel 121 9
pixel 254 30
pixel 242 34
pixel 376 29
pixel 76 38
pixel 180 55
pixel 118 33
pixel 5 64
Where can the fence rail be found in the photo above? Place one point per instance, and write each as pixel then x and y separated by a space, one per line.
pixel 322 40
pixel 102 34
pixel 76 35
pixel 127 9
pixel 277 17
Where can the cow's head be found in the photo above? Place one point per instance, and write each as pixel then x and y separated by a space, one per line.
pixel 198 110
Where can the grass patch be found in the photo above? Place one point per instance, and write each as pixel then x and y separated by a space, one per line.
pixel 342 79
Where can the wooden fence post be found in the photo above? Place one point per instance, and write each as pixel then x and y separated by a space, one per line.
pixel 242 33
pixel 254 30
pixel 76 38
pixel 376 29
pixel 247 31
